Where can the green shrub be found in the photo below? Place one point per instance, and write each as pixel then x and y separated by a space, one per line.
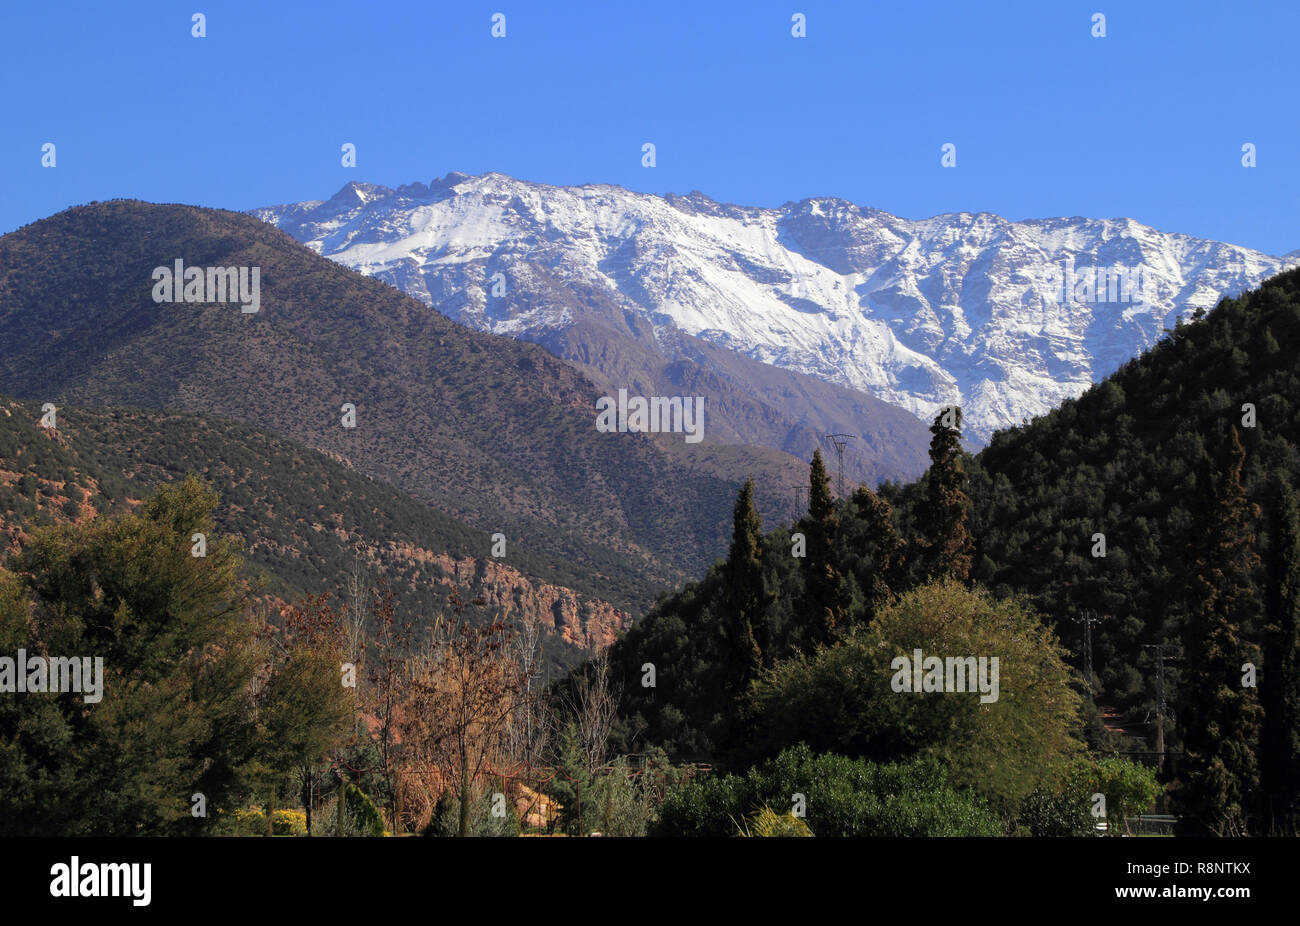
pixel 767 822
pixel 703 806
pixel 1063 804
pixel 841 699
pixel 482 822
pixel 362 813
pixel 1047 812
pixel 840 797
pixel 1130 788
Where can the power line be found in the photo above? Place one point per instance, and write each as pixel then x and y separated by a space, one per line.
pixel 1087 619
pixel 1162 706
pixel 840 441
pixel 799 507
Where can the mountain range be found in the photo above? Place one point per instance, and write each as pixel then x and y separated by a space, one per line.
pixel 761 308
pixel 492 432
pixel 487 433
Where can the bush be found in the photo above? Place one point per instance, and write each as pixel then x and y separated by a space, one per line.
pixel 1130 788
pixel 767 822
pixel 288 823
pixel 703 806
pixel 841 699
pixel 252 822
pixel 1063 805
pixel 841 797
pixel 362 813
pixel 1046 812
pixel 624 801
pixel 482 821
pixel 243 822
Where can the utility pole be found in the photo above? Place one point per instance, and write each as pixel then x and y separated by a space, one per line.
pixel 840 441
pixel 799 507
pixel 1162 706
pixel 1087 619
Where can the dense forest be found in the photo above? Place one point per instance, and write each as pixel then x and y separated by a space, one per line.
pixel 1157 507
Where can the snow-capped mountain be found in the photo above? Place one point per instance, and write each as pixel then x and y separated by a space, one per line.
pixel 1005 318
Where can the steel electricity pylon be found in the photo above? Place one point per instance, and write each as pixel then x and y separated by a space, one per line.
pixel 839 441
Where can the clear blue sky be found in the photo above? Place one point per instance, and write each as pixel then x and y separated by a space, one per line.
pixel 1147 122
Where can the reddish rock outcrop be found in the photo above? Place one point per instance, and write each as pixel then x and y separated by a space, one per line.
pixel 579 619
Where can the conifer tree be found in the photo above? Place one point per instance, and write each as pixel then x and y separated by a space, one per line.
pixel 1221 715
pixel 824 591
pixel 178 658
pixel 946 541
pixel 744 586
pixel 1280 771
pixel 883 544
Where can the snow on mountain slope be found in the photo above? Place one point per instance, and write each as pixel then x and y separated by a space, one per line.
pixel 1004 318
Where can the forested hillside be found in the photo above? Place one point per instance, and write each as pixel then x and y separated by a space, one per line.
pixel 1158 506
pixel 1132 459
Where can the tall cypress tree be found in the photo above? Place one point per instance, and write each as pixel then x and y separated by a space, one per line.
pixel 744 580
pixel 883 545
pixel 1221 716
pixel 946 541
pixel 824 592
pixel 1280 768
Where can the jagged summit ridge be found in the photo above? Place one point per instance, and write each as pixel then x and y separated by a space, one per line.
pixel 962 307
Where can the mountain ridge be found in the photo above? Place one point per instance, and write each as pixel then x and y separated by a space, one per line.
pixel 496 432
pixel 959 308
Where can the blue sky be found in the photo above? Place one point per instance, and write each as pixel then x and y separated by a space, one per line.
pixel 1147 122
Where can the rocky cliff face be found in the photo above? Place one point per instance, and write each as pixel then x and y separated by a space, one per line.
pixel 576 618
pixel 586 622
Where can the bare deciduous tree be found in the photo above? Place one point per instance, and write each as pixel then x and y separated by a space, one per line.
pixel 386 679
pixel 355 609
pixel 593 702
pixel 530 726
pixel 466 689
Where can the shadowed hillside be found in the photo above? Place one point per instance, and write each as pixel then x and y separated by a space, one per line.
pixel 496 432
